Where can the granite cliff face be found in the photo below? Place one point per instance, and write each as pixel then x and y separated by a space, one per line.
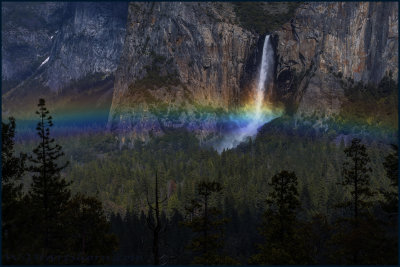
pixel 50 48
pixel 170 64
pixel 180 63
pixel 328 42
pixel 89 41
pixel 26 38
pixel 198 56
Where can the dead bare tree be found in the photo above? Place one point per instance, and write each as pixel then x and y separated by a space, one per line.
pixel 156 227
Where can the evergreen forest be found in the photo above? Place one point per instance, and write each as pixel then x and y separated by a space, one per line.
pixel 289 196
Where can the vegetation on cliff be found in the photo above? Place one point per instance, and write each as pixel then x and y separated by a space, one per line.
pixel 264 17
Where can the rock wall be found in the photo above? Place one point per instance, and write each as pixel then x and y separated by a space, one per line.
pixel 327 42
pixel 48 47
pixel 179 58
pixel 26 37
pixel 89 41
pixel 179 64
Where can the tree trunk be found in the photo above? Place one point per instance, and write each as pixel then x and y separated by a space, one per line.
pixel 355 256
pixel 157 227
pixel 205 221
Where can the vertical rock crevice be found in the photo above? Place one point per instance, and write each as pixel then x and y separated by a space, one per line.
pixel 187 66
pixel 328 42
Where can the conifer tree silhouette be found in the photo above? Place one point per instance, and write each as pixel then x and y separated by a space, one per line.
pixel 208 225
pixel 49 193
pixel 284 241
pixel 358 236
pixel 356 175
pixel 13 168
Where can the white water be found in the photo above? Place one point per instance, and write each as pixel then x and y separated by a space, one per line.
pixel 257 118
pixel 45 61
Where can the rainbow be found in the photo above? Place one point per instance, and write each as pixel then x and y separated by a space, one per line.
pixel 74 121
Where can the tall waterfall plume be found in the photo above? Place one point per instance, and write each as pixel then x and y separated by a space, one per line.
pixel 256 115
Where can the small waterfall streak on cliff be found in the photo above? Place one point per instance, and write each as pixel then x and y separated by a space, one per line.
pixel 256 116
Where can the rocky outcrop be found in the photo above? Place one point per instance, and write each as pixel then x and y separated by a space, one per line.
pixel 191 65
pixel 195 55
pixel 89 41
pixel 328 42
pixel 180 63
pixel 27 37
pixel 52 47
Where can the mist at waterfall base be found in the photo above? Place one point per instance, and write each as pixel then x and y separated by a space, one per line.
pixel 78 119
pixel 258 113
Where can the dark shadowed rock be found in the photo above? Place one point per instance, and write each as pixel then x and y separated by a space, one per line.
pixel 179 60
pixel 52 47
pixel 328 42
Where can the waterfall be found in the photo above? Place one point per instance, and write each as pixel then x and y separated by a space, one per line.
pixel 255 117
pixel 267 63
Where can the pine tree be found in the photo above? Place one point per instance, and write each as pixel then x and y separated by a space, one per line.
pixel 49 193
pixel 355 174
pixel 306 200
pixel 319 231
pixel 358 238
pixel 87 231
pixel 392 173
pixel 390 206
pixel 176 239
pixel 284 243
pixel 207 225
pixel 12 207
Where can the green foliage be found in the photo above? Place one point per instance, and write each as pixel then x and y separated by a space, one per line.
pixel 284 196
pixel 263 17
pixel 390 206
pixel 317 233
pixel 88 231
pixel 49 192
pixel 383 97
pixel 52 227
pixel 155 78
pixel 206 223
pixel 12 170
pixel 359 245
pixel 118 176
pixel 391 166
pixel 358 238
pixel 356 175
pixel 12 167
pixel 392 173
pixel 283 233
